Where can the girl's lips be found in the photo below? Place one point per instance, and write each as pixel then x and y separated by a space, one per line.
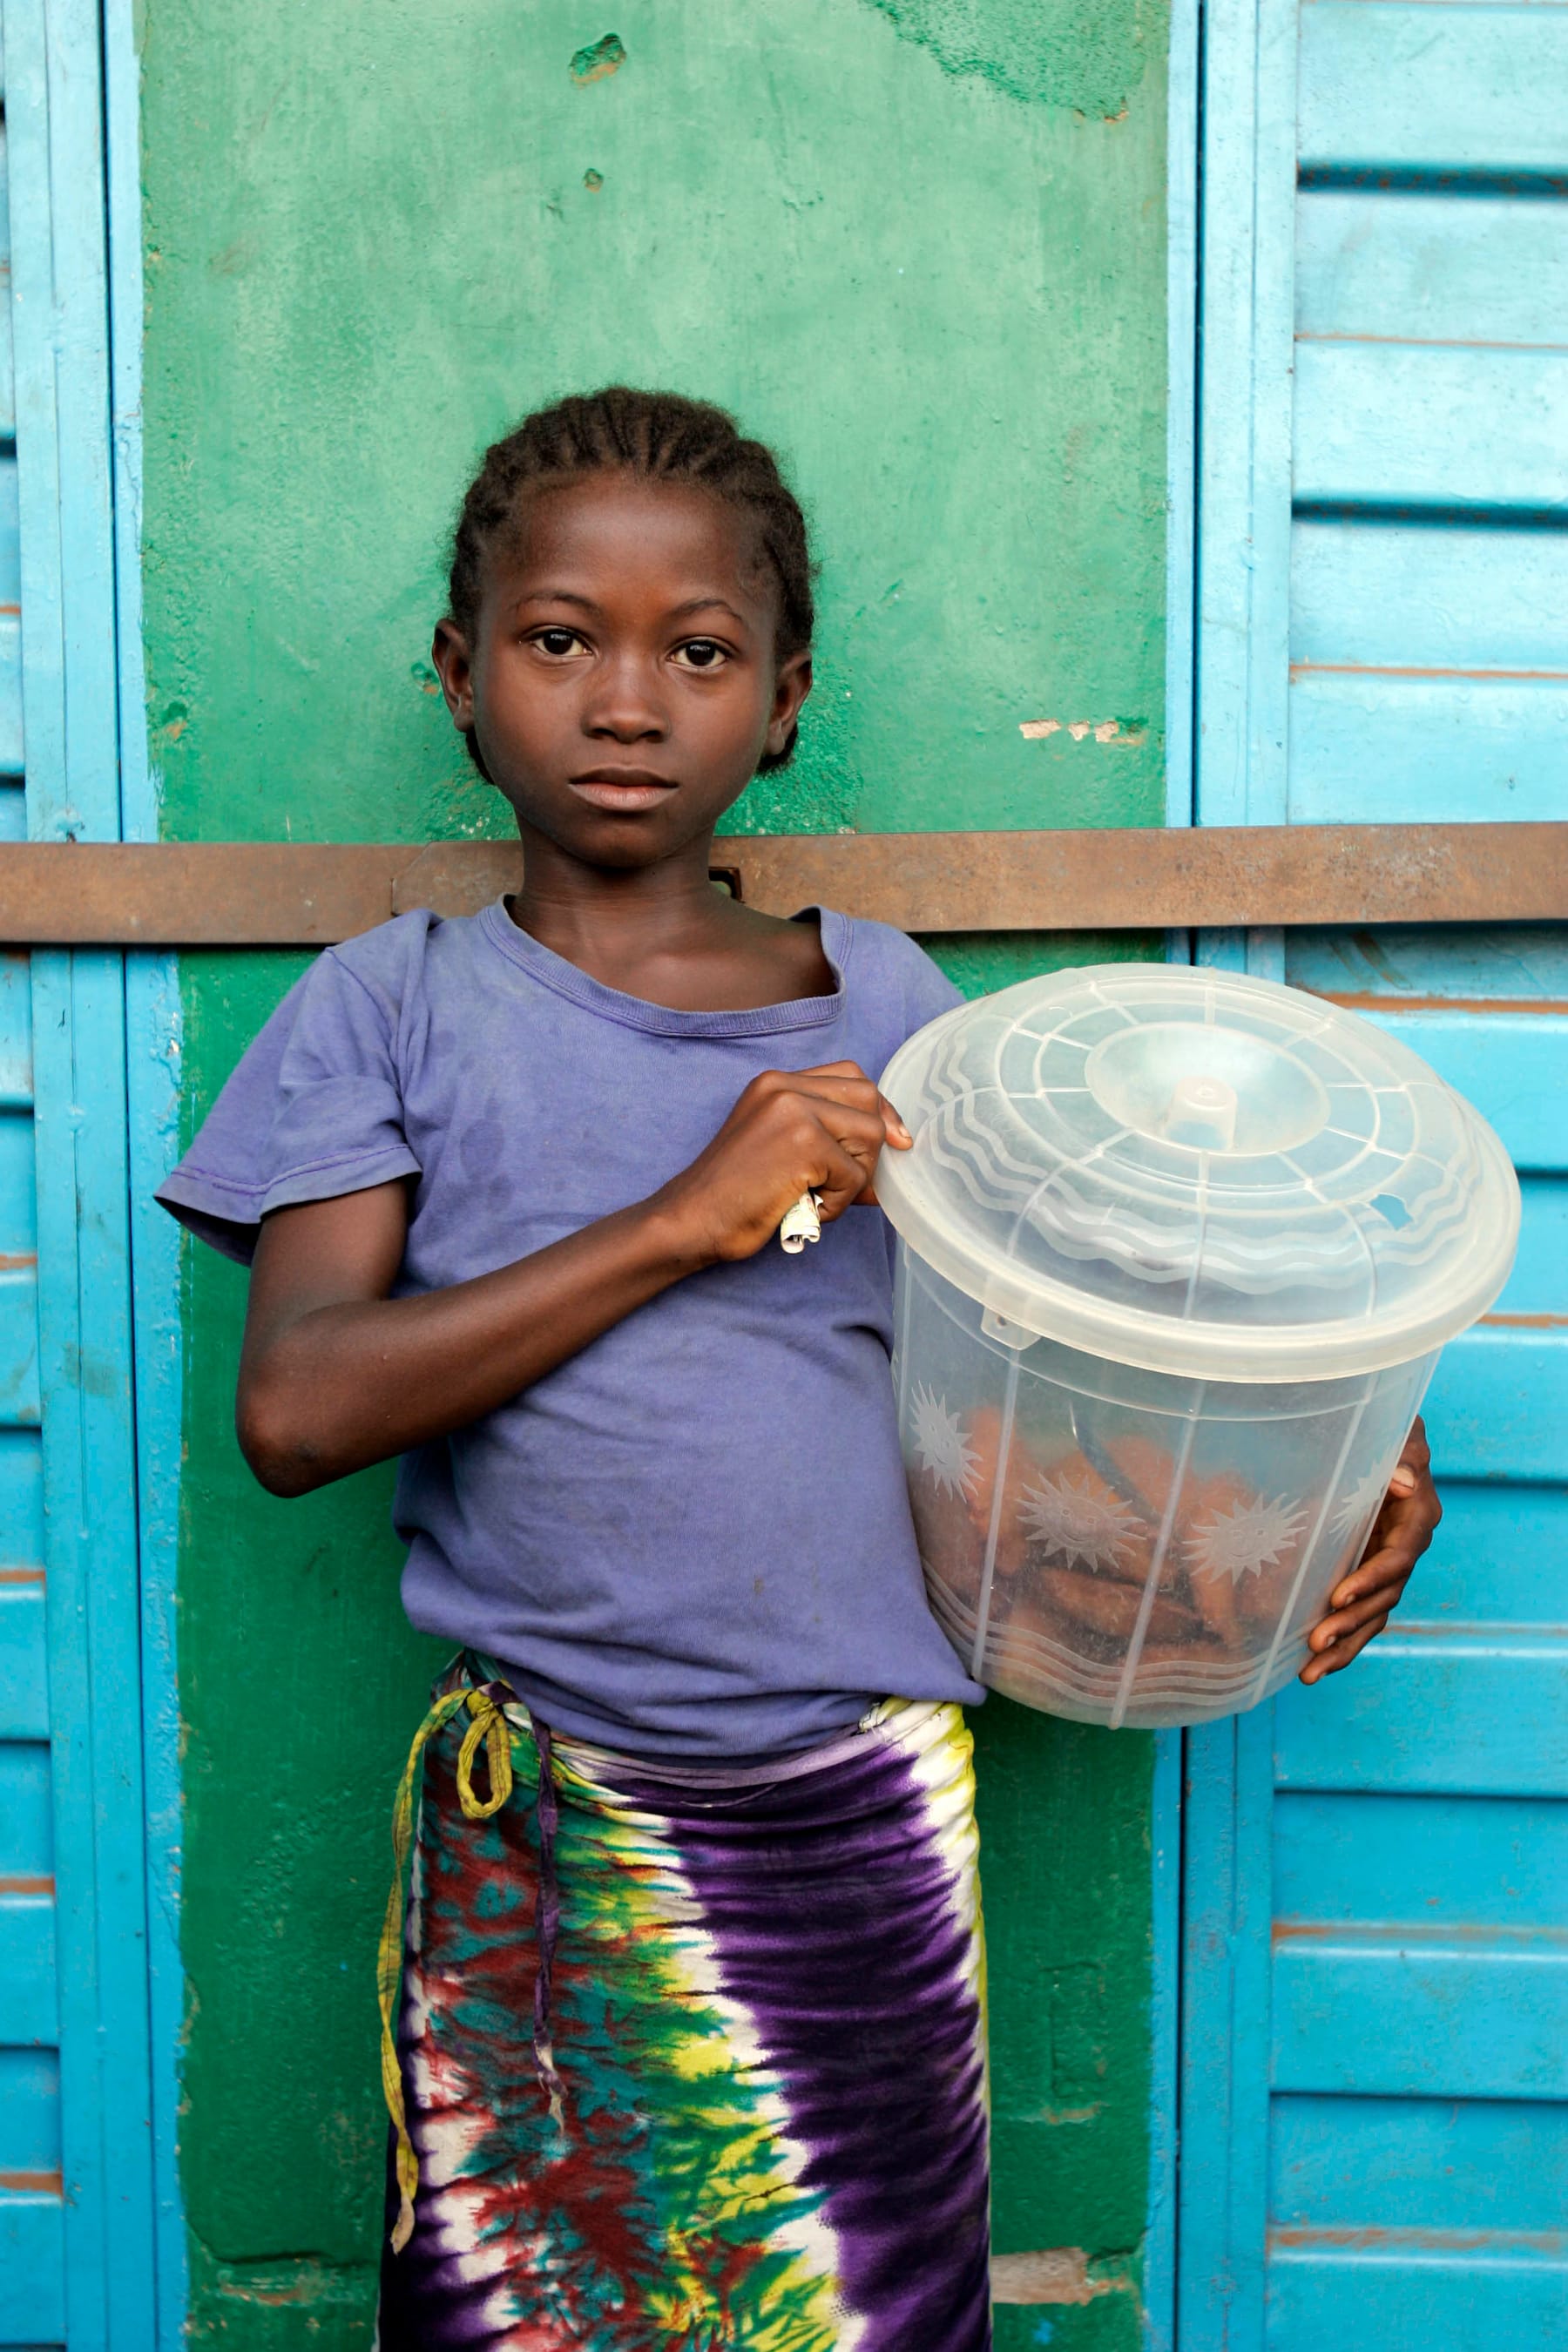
pixel 600 793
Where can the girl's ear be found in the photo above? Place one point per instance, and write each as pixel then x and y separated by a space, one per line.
pixel 790 690
pixel 455 668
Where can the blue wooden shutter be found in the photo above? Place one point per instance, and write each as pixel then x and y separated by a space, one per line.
pixel 1375 2084
pixel 76 2125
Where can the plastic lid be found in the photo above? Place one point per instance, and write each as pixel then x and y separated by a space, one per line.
pixel 1197 1172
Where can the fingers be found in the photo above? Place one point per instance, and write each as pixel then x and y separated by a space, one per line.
pixel 843 1182
pixel 1332 1660
pixel 1403 1531
pixel 1413 1474
pixel 898 1134
pixel 1379 1602
pixel 1397 1541
pixel 1387 1570
pixel 842 1082
pixel 858 1133
pixel 862 1095
pixel 847 1110
pixel 790 1131
pixel 829 1147
pixel 1362 1601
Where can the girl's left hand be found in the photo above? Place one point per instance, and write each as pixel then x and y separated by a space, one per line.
pixel 1401 1533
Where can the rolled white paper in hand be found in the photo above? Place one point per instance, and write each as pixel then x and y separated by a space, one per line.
pixel 802 1223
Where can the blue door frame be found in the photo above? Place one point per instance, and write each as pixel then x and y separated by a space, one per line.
pixel 1370 2082
pixel 91 2248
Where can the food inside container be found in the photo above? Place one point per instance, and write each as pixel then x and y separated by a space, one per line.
pixel 1178 1250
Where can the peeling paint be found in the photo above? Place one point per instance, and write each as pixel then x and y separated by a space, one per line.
pixel 1129 731
pixel 599 59
pixel 1056 2274
pixel 278 2284
pixel 1074 54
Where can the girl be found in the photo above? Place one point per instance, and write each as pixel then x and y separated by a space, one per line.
pixel 684 2036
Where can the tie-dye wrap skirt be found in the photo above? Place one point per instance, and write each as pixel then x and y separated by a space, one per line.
pixel 679 2059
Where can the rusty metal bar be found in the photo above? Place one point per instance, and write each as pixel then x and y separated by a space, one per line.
pixel 279 894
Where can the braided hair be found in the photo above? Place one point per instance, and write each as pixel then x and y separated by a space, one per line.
pixel 657 437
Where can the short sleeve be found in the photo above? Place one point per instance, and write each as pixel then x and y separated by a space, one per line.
pixel 928 991
pixel 312 1110
pixel 899 982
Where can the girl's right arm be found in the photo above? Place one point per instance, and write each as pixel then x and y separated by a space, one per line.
pixel 335 1374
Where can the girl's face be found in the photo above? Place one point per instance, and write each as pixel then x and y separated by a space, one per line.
pixel 623 684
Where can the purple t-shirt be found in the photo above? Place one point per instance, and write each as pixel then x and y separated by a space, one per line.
pixel 692 1538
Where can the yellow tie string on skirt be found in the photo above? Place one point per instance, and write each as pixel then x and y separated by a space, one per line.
pixel 490 1725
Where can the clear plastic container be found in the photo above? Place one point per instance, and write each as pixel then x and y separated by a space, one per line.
pixel 1178 1252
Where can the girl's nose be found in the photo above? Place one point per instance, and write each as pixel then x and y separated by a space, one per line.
pixel 627 704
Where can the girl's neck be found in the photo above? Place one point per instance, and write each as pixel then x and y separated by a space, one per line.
pixel 586 913
pixel 665 933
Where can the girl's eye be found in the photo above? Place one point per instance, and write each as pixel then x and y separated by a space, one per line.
pixel 701 653
pixel 558 643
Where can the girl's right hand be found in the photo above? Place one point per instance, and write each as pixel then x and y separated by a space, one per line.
pixel 792 1131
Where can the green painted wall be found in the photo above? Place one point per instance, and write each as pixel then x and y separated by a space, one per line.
pixel 920 247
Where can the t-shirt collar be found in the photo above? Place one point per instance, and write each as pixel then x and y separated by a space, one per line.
pixel 553 972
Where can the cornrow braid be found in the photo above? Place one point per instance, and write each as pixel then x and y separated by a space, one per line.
pixel 659 436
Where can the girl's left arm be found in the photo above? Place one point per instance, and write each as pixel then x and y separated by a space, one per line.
pixel 1404 1526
